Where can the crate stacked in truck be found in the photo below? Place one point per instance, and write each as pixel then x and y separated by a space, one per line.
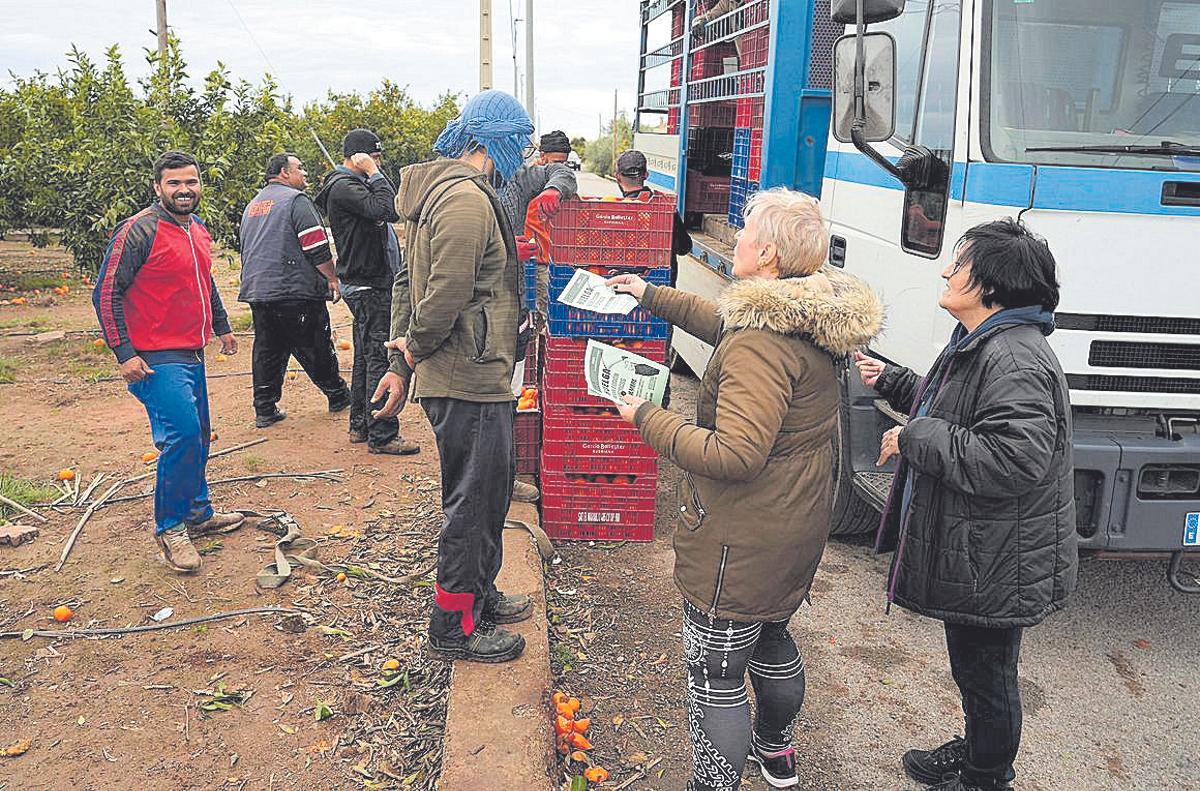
pixel 527 429
pixel 598 478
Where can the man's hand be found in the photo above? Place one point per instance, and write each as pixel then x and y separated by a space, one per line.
pixel 547 202
pixel 392 384
pixel 527 249
pixel 627 284
pixel 335 290
pixel 228 344
pixel 135 369
pixel 869 369
pixel 889 446
pixel 629 409
pixel 364 164
pixel 401 345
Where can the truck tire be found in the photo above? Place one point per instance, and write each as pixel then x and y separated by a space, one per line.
pixel 851 514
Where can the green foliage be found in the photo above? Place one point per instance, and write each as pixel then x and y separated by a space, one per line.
pixel 598 155
pixel 24 492
pixel 77 147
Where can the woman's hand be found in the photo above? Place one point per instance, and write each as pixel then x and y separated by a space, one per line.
pixel 627 284
pixel 889 446
pixel 629 409
pixel 869 369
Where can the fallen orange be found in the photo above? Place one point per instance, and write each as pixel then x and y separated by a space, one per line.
pixel 149 456
pixel 66 475
pixel 62 613
pixel 596 774
pixel 343 345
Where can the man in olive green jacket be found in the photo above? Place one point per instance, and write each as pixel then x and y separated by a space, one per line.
pixel 454 326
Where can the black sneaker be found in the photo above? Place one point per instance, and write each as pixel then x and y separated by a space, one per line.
pixel 778 769
pixel 508 609
pixel 933 766
pixel 487 643
pixel 262 421
pixel 339 402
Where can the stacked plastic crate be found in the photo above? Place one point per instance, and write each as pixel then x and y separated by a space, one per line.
pixel 746 171
pixel 527 431
pixel 598 477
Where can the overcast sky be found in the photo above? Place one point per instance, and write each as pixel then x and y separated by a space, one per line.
pixel 584 48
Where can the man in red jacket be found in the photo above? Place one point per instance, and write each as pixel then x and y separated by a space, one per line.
pixel 157 305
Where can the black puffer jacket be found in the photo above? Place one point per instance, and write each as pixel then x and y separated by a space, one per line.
pixel 989 534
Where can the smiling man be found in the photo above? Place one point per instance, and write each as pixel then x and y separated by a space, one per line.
pixel 158 306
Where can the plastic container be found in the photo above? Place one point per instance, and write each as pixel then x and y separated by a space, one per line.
pixel 569 322
pixel 740 191
pixel 626 233
pixel 527 438
pixel 713 114
pixel 595 444
pixel 604 508
pixel 534 361
pixel 706 194
pixel 750 112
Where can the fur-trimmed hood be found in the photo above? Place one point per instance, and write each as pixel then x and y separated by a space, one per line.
pixel 837 310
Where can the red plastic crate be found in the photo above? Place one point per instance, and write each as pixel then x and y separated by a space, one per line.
pixel 564 382
pixel 534 361
pixel 600 444
pixel 754 171
pixel 676 71
pixel 624 233
pixel 713 114
pixel 750 112
pixel 527 437
pixel 753 47
pixel 710 61
pixel 673 121
pixel 613 508
pixel 707 194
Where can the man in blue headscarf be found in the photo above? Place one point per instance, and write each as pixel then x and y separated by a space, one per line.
pixel 454 322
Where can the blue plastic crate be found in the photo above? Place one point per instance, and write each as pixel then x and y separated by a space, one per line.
pixel 740 164
pixel 530 284
pixel 740 191
pixel 569 322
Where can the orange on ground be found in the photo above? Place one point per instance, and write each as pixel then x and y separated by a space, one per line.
pixel 343 345
pixel 62 613
pixel 596 774
pixel 580 742
pixel 562 725
pixel 98 343
pixel 149 456
pixel 66 475
pixel 390 666
pixel 579 755
pixel 341 576
pixel 582 725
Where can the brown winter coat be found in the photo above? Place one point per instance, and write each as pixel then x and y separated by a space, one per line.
pixel 754 511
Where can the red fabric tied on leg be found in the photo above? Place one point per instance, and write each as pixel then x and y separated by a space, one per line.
pixel 457 602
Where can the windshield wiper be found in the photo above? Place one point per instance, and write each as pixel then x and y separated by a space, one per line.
pixel 1166 148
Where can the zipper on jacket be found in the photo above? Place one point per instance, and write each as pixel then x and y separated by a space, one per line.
pixel 204 319
pixel 712 611
pixel 700 512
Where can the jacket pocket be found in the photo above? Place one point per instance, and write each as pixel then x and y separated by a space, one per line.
pixel 691 510
pixel 712 610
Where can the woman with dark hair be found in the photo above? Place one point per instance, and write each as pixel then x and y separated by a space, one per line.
pixel 982 512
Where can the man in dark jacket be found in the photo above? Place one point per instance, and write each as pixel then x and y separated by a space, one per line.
pixel 360 204
pixel 982 512
pixel 287 274
pixel 158 306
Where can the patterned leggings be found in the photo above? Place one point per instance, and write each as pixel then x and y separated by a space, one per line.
pixel 718 654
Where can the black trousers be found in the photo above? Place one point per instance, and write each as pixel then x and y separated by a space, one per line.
pixel 476 450
pixel 292 328
pixel 983 662
pixel 372 311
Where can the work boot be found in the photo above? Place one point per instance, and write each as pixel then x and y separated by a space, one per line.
pixel 508 609
pixel 262 421
pixel 488 643
pixel 397 447
pixel 339 402
pixel 525 492
pixel 778 769
pixel 358 436
pixel 933 766
pixel 217 523
pixel 177 549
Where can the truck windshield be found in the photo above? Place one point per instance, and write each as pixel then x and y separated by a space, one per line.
pixel 1077 82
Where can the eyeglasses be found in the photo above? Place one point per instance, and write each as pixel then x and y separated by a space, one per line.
pixel 528 151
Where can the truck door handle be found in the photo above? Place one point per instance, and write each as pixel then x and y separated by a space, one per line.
pixel 837 251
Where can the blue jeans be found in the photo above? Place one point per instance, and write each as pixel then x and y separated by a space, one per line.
pixel 176 400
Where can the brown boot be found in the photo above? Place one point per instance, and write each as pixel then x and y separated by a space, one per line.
pixel 357 437
pixel 177 549
pixel 217 523
pixel 525 492
pixel 397 447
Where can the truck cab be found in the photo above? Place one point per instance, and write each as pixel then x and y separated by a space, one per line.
pixel 1081 119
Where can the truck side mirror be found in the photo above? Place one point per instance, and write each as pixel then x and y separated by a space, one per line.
pixel 879 97
pixel 843 12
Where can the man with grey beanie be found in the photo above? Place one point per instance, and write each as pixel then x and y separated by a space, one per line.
pixel 360 204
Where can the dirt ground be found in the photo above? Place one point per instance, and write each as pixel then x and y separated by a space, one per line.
pixel 1109 685
pixel 129 712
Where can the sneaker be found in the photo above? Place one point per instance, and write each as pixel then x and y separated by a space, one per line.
pixel 778 769
pixel 933 766
pixel 487 643
pixel 525 492
pixel 177 549
pixel 508 609
pixel 262 421
pixel 357 436
pixel 217 523
pixel 339 402
pixel 397 447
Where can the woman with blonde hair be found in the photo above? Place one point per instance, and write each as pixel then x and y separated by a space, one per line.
pixel 755 507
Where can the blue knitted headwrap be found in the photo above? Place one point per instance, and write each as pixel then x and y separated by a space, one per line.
pixel 494 120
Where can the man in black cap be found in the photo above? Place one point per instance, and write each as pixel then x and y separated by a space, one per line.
pixel 544 182
pixel 632 172
pixel 360 204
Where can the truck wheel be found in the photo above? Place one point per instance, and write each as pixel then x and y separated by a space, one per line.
pixel 851 514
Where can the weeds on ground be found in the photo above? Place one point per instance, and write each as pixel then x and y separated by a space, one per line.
pixel 252 463
pixel 242 322
pixel 32 323
pixel 24 491
pixel 8 369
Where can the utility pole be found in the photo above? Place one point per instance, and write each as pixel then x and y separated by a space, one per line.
pixel 160 7
pixel 513 30
pixel 614 133
pixel 485 45
pixel 529 104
